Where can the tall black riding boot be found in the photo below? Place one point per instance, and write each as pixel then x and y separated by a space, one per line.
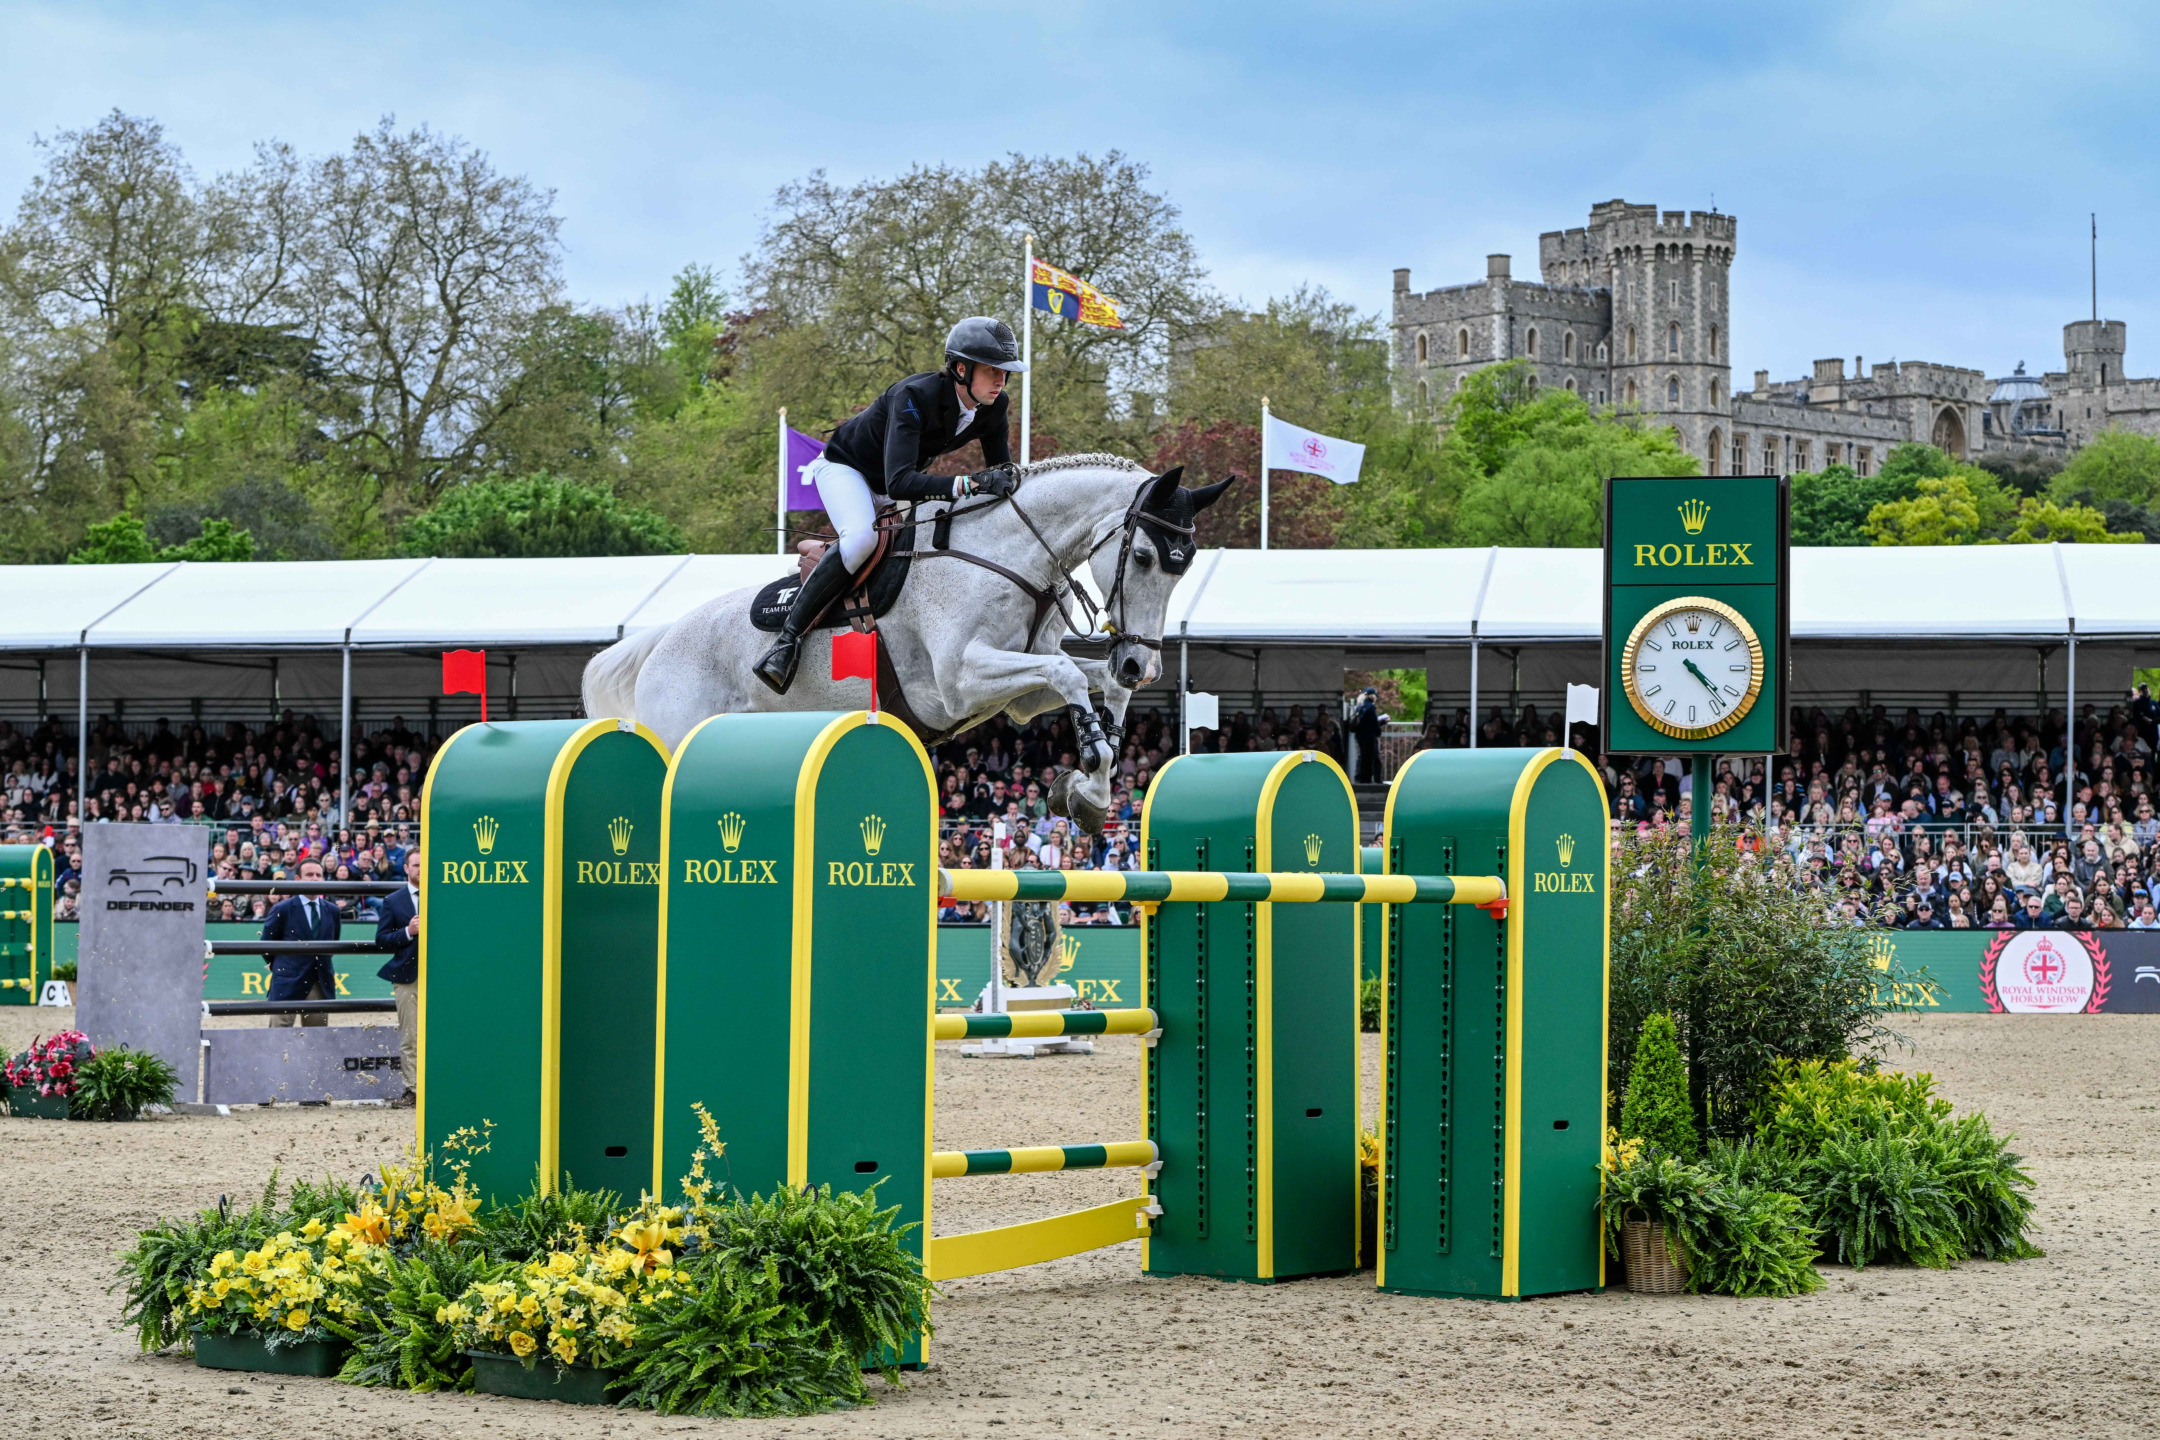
pixel 828 582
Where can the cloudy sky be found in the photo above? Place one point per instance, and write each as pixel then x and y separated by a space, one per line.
pixel 1912 179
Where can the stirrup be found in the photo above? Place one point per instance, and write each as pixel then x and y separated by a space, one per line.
pixel 777 668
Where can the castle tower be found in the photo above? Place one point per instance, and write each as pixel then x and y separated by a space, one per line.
pixel 2093 349
pixel 1671 332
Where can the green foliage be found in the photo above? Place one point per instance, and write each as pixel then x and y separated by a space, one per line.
pixel 1877 1199
pixel 1656 1110
pixel 2113 465
pixel 565 1218
pixel 1988 1184
pixel 1814 1101
pixel 1753 1240
pixel 1368 1005
pixel 1832 507
pixel 169 1256
pixel 65 970
pixel 838 1258
pixel 1736 952
pixel 736 1345
pixel 123 540
pixel 2041 520
pixel 538 516
pixel 116 1083
pixel 405 1346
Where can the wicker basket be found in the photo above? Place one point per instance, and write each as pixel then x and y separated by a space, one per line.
pixel 1651 1266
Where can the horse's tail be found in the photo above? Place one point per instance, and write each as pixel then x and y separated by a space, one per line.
pixel 611 676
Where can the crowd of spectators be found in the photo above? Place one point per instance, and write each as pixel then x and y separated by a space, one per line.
pixel 269 795
pixel 1942 823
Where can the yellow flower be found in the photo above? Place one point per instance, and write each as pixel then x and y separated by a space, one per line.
pixel 369 1227
pixel 296 1320
pixel 312 1229
pixel 225 1261
pixel 528 1307
pixel 561 1264
pixel 255 1263
pixel 565 1349
pixel 522 1344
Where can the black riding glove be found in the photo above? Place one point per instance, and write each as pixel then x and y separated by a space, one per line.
pixel 999 480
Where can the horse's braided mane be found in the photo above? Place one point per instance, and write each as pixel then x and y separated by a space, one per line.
pixel 1091 461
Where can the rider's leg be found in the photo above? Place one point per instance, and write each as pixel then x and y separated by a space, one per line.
pixel 848 504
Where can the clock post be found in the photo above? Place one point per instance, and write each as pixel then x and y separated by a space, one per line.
pixel 1697 627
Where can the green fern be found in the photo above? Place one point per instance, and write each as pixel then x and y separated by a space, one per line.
pixel 732 1344
pixel 404 1346
pixel 1877 1199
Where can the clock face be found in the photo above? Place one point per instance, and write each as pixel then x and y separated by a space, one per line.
pixel 1692 668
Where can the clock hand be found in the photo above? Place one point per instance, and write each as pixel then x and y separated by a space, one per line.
pixel 1689 665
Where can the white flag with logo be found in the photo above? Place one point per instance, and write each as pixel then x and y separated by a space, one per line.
pixel 1290 447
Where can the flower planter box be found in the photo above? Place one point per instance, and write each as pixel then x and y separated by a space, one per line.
pixel 249 1352
pixel 495 1374
pixel 36 1106
pixel 1651 1268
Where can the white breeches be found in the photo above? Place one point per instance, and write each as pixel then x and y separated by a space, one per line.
pixel 850 506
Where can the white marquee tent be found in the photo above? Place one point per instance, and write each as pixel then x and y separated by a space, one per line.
pixel 1963 626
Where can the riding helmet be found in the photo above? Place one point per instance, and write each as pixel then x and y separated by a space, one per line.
pixel 981 340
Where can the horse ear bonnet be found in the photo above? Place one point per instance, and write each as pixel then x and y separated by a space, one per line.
pixel 1167 500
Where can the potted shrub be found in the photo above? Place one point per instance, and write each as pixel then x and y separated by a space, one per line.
pixel 286 1307
pixel 115 1084
pixel 1651 1188
pixel 42 1079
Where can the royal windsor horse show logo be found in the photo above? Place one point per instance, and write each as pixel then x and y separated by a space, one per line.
pixel 2038 972
pixel 618 834
pixel 731 832
pixel 484 831
pixel 1694 514
pixel 873 834
pixel 1314 447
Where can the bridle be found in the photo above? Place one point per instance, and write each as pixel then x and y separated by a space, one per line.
pixel 1109 617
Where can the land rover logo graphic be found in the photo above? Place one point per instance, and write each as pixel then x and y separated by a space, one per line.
pixel 873 834
pixel 1565 844
pixel 1312 849
pixel 1693 515
pixel 2042 973
pixel 484 831
pixel 618 834
pixel 731 832
pixel 155 884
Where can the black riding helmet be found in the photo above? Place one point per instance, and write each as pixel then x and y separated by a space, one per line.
pixel 980 340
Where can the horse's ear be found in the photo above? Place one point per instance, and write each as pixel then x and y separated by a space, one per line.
pixel 1205 495
pixel 1163 491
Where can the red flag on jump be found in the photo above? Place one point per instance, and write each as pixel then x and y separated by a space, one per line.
pixel 854 656
pixel 464 672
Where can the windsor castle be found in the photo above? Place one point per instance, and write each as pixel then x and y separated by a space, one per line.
pixel 1632 311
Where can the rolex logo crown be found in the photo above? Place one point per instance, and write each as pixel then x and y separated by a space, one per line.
pixel 1068 950
pixel 873 834
pixel 1879 950
pixel 618 834
pixel 1694 623
pixel 1693 515
pixel 1312 849
pixel 1566 845
pixel 731 832
pixel 484 831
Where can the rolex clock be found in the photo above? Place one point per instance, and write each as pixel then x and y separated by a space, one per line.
pixel 1692 667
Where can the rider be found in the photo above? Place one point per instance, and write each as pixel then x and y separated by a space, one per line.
pixel 883 450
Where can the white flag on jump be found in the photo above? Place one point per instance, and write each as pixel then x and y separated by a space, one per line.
pixel 1290 447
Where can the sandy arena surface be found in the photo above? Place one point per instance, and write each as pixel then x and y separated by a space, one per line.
pixel 2063 1346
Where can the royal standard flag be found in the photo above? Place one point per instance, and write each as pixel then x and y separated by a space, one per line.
pixel 1053 290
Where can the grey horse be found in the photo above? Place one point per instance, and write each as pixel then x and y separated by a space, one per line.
pixel 965 639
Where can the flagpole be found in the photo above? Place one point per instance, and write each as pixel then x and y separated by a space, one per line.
pixel 780 497
pixel 1263 471
pixel 1027 342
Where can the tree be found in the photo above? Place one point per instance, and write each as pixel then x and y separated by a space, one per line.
pixel 1831 507
pixel 1959 509
pixel 539 516
pixel 1304 511
pixel 2041 520
pixel 424 269
pixel 2113 465
pixel 123 540
pixel 1656 1109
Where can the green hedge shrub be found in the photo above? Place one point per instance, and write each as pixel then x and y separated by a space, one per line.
pixel 1656 1110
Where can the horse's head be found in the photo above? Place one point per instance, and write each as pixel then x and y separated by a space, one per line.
pixel 1161 550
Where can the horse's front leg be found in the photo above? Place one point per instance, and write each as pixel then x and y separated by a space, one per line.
pixel 996 674
pixel 1115 699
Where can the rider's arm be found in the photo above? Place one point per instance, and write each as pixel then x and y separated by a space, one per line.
pixel 903 444
pixel 996 437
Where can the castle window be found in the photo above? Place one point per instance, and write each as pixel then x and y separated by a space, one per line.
pixel 1631 342
pixel 1567 346
pixel 1674 292
pixel 1717 393
pixel 1422 355
pixel 1769 457
pixel 1713 342
pixel 1600 352
pixel 1462 342
pixel 1571 384
pixel 1672 390
pixel 1533 382
pixel 1800 455
pixel 1866 461
pixel 1672 338
pixel 1631 392
pixel 1711 452
pixel 1530 341
pixel 1424 391
pixel 1739 454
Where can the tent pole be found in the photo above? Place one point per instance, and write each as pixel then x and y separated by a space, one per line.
pixel 344 789
pixel 82 742
pixel 1473 688
pixel 1184 686
pixel 2070 764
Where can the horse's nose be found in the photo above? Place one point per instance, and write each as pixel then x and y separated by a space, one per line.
pixel 1128 671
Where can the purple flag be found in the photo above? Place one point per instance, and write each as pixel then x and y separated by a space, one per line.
pixel 801 450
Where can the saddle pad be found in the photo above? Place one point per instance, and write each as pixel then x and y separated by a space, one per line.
pixel 770 606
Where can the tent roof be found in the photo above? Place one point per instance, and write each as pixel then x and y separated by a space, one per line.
pixel 1407 597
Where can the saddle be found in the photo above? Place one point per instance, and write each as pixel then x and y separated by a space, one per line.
pixel 875 591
